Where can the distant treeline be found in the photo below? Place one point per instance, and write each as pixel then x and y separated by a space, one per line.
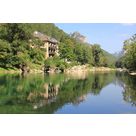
pixel 15 48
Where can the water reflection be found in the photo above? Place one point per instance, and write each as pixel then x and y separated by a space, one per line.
pixel 48 94
pixel 128 84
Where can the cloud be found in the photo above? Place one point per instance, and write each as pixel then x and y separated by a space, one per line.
pixel 128 24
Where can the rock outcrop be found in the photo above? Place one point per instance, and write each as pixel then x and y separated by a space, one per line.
pixel 79 37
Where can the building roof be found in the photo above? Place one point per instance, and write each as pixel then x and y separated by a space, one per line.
pixel 44 37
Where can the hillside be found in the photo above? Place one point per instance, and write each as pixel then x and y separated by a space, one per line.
pixel 111 58
pixel 15 49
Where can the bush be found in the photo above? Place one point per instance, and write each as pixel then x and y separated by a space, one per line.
pixel 56 63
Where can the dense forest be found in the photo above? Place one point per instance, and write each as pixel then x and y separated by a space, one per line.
pixel 128 57
pixel 15 48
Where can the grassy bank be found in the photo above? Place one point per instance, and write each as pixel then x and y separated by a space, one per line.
pixel 9 70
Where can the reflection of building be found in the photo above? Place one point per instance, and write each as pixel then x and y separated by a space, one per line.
pixel 50 44
pixel 51 91
pixel 46 97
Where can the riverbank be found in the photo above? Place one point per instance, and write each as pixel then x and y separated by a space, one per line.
pixel 18 71
pixel 102 69
pixel 75 69
pixel 32 69
pixel 86 68
pixel 132 73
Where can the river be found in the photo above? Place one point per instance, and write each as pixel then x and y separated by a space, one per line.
pixel 86 93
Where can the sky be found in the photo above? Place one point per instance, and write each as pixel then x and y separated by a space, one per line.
pixel 109 35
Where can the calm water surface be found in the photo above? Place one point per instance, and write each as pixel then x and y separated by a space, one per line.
pixel 96 93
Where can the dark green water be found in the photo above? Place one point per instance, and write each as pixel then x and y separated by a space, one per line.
pixel 92 93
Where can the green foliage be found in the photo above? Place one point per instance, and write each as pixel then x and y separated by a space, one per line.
pixel 129 58
pixel 15 46
pixel 56 62
pixel 50 62
pixel 37 56
pixel 110 58
pixel 14 31
pixel 66 52
pixel 119 63
pixel 100 56
pixel 96 50
pixel 83 54
pixel 5 54
pixel 15 49
pixel 16 36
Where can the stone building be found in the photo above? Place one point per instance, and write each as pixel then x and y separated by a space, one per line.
pixel 50 44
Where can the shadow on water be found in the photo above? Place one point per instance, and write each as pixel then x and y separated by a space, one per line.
pixel 48 93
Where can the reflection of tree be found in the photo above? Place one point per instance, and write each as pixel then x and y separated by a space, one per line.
pixel 101 80
pixel 128 84
pixel 46 94
pixel 130 96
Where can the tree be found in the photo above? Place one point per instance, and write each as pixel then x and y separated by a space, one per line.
pixel 96 50
pixel 5 54
pixel 103 60
pixel 129 58
pixel 17 36
pixel 37 56
pixel 119 63
pixel 66 52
